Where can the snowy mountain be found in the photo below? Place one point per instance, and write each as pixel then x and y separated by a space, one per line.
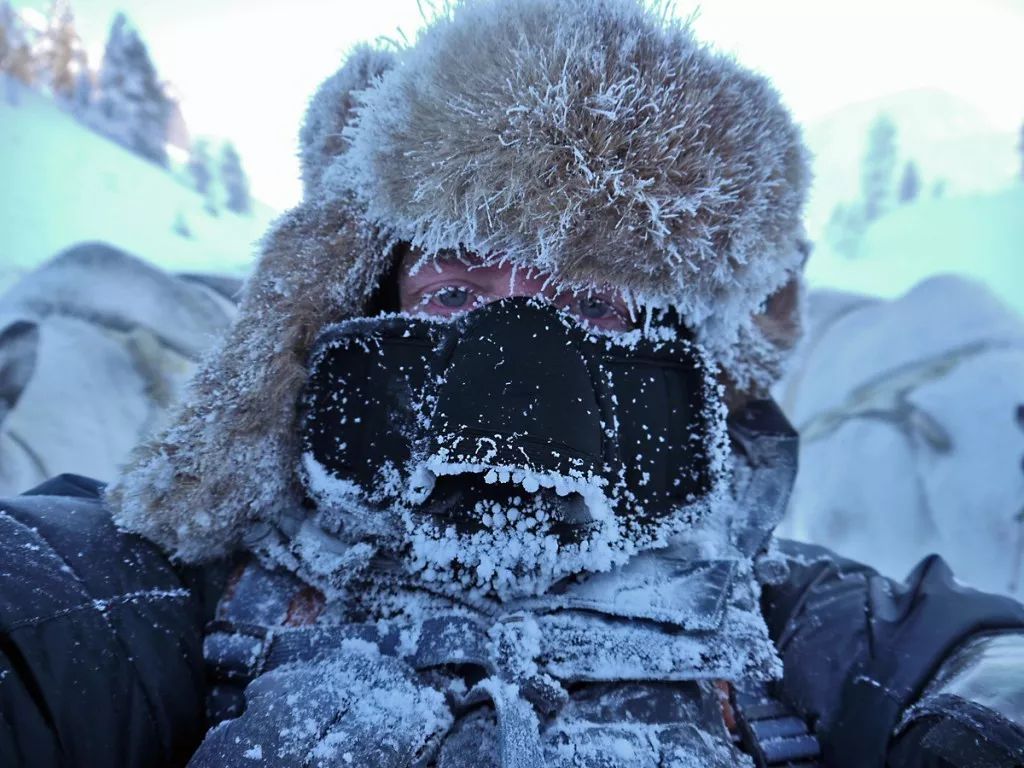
pixel 65 184
pixel 947 138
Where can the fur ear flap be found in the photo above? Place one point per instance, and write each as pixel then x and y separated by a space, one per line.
pixel 228 458
pixel 332 107
pixel 782 321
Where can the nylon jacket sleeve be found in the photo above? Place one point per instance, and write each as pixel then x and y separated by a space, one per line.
pixel 100 642
pixel 859 649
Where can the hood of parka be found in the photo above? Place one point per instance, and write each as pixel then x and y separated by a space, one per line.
pixel 594 139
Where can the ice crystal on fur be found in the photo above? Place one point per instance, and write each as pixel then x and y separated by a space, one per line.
pixel 611 149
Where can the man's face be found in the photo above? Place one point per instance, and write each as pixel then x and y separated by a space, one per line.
pixel 501 478
pixel 450 285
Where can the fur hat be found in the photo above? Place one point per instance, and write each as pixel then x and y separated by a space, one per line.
pixel 593 139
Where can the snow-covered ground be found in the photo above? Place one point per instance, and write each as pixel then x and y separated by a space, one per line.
pixel 64 184
pixel 979 235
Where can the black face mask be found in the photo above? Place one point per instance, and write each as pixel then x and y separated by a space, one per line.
pixel 605 440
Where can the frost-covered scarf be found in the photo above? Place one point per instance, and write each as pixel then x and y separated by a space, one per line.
pixel 377 691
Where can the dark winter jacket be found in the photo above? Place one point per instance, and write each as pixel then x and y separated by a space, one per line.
pixel 101 661
pixel 100 639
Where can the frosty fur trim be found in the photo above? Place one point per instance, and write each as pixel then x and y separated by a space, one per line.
pixel 591 138
pixel 231 452
pixel 595 140
pixel 331 108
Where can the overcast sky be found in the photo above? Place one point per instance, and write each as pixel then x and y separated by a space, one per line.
pixel 245 68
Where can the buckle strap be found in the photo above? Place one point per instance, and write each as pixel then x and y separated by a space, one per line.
pixel 772 733
pixel 235 651
pixel 238 651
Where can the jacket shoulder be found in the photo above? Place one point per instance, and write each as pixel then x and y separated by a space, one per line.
pixel 69 485
pixel 100 637
pixel 858 649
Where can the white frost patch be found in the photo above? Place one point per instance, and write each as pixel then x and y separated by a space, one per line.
pixel 589 487
pixel 507 560
pixel 331 490
pixel 356 702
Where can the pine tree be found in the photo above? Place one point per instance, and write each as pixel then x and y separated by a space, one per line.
pixel 61 55
pixel 132 107
pixel 845 229
pixel 16 43
pixel 81 97
pixel 213 200
pixel 236 183
pixel 6 30
pixel 910 183
pixel 878 168
pixel 180 226
pixel 199 166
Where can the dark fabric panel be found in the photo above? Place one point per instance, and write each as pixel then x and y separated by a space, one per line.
pixel 953 733
pixel 67 484
pixel 103 639
pixel 858 648
pixel 27 735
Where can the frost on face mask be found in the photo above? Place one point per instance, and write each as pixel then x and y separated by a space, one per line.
pixel 511 447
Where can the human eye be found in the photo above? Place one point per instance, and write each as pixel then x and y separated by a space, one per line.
pixel 600 311
pixel 451 297
pixel 447 299
pixel 593 308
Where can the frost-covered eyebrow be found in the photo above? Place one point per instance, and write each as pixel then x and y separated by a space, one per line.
pixel 414 261
pixel 439 273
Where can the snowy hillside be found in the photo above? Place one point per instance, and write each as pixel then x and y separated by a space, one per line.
pixel 979 235
pixel 947 138
pixel 64 184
